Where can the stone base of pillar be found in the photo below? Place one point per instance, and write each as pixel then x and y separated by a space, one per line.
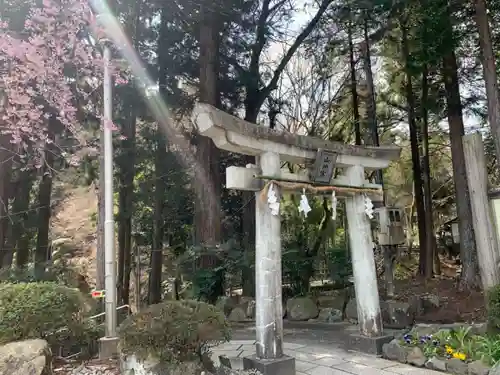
pixel 365 344
pixel 108 347
pixel 279 366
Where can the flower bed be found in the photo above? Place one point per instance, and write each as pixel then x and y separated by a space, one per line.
pixel 458 351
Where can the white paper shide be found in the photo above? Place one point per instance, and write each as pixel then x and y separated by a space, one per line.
pixel 272 200
pixel 304 204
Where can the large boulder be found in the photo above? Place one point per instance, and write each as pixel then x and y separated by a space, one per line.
pixel 424 304
pixel 416 357
pixel 30 357
pixel 495 370
pixel 396 314
pixel 335 300
pixel 329 315
pixel 242 311
pixel 457 367
pixel 395 351
pixel 238 314
pixel 248 305
pixel 351 311
pixel 436 363
pixel 301 308
pixel 478 368
pixel 226 304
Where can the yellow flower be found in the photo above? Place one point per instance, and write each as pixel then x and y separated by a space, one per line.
pixel 459 355
pixel 449 350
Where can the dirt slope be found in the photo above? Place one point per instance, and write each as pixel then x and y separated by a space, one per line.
pixel 73 225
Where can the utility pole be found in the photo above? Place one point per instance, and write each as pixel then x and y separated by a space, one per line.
pixel 109 343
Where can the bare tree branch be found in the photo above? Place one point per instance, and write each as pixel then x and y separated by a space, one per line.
pixel 294 47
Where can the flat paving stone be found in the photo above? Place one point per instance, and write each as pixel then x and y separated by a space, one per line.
pixel 370 361
pixel 301 366
pixel 411 370
pixel 359 369
pixel 324 370
pixel 324 359
pixel 293 346
pixel 330 361
pixel 247 348
pixel 243 342
pixel 305 357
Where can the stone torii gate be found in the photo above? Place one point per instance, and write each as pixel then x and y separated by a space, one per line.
pixel 272 147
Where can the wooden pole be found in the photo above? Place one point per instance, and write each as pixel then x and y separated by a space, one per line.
pixel 363 262
pixel 484 230
pixel 269 309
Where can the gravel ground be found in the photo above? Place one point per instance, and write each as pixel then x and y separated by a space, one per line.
pixel 111 368
pixel 88 368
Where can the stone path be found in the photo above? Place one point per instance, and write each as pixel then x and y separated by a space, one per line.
pixel 322 360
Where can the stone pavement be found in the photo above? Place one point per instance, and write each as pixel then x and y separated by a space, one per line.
pixel 322 360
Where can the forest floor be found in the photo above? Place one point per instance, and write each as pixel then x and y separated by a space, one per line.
pixel 454 305
pixel 74 223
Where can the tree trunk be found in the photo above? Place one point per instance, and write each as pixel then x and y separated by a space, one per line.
pixel 156 264
pixel 415 155
pixel 430 244
pixel 207 213
pixel 127 179
pixel 5 177
pixel 44 209
pixel 489 72
pixel 156 260
pixel 354 87
pixel 20 207
pixel 248 237
pixel 248 212
pixel 468 255
pixel 126 199
pixel 372 105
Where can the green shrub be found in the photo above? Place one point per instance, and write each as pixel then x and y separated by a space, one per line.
pixel 174 331
pixel 493 308
pixel 59 272
pixel 41 310
pixel 339 263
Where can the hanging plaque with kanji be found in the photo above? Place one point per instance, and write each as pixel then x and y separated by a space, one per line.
pixel 324 166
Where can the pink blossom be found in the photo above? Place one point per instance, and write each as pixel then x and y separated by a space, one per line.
pixel 120 81
pixel 35 63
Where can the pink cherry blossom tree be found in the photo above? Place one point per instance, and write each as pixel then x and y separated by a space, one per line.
pixel 50 84
pixel 46 70
pixel 49 70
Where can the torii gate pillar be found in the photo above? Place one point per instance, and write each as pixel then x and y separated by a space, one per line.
pixel 269 312
pixel 269 358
